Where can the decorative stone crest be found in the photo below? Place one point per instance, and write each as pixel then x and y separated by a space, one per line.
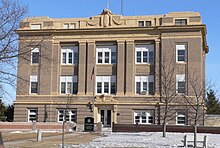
pixel 104 98
pixel 106 19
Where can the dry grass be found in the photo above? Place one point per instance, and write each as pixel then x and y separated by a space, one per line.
pixel 7 137
pixel 53 140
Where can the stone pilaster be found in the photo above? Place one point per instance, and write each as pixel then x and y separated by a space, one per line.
pixel 90 83
pixel 130 67
pixel 56 69
pixel 82 68
pixel 120 67
pixel 157 67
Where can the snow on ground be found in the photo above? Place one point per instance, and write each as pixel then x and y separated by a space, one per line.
pixel 149 140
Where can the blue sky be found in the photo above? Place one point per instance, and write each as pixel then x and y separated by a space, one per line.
pixel 87 8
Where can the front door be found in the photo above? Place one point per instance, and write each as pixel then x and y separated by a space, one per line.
pixel 105 117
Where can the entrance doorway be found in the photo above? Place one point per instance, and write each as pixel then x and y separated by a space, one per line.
pixel 105 117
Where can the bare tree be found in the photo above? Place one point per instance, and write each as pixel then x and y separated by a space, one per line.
pixel 196 97
pixel 11 13
pixel 166 72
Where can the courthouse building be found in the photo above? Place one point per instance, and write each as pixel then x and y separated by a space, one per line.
pixel 109 67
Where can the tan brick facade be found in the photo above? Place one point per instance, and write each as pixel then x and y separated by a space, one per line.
pixel 106 31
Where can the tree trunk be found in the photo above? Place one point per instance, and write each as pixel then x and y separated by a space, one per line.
pixel 195 136
pixel 164 129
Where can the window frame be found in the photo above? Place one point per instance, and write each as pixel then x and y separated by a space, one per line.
pixel 104 80
pixel 181 21
pixel 141 114
pixel 103 50
pixel 66 80
pixel 69 25
pixel 144 79
pixel 29 113
pixel 35 50
pixel 180 78
pixel 33 79
pixel 36 26
pixel 71 112
pixel 144 48
pixel 144 23
pixel 181 115
pixel 67 50
pixel 148 23
pixel 181 47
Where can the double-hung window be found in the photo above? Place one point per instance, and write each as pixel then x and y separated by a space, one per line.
pixel 32 115
pixel 144 85
pixel 33 84
pixel 143 117
pixel 35 55
pixel 69 55
pixel 181 118
pixel 66 115
pixel 106 54
pixel 181 53
pixel 68 85
pixel 180 84
pixel 144 54
pixel 105 84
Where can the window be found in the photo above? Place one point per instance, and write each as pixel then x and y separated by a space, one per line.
pixel 105 84
pixel 144 85
pixel 180 118
pixel 70 115
pixel 181 53
pixel 144 23
pixel 68 85
pixel 35 26
pixel 143 117
pixel 148 23
pixel 180 84
pixel 106 54
pixel 32 115
pixel 180 21
pixel 144 54
pixel 140 23
pixel 34 55
pixel 69 26
pixel 33 84
pixel 69 55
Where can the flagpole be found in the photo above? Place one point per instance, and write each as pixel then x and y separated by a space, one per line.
pixel 122 7
pixel 93 84
pixel 107 5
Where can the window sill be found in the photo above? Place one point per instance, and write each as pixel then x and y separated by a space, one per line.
pixel 180 62
pixel 104 64
pixel 68 94
pixel 34 64
pixel 144 64
pixel 72 65
pixel 33 94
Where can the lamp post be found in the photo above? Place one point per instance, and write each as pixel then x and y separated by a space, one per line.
pixel 63 131
pixel 64 121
